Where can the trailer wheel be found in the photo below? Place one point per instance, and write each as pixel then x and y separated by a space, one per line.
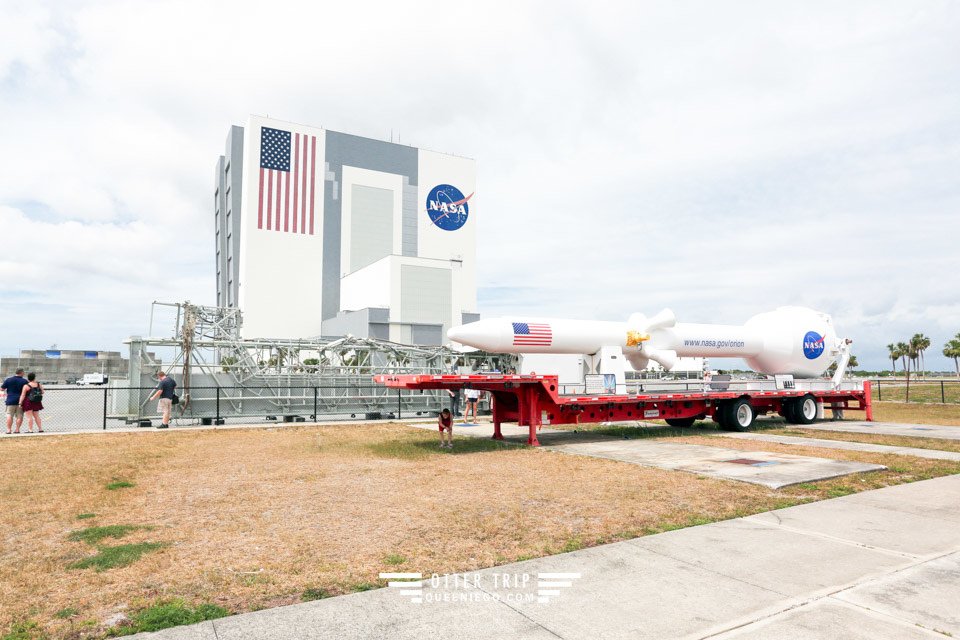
pixel 739 415
pixel 805 410
pixel 680 422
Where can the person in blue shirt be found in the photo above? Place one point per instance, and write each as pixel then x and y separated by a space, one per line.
pixel 14 386
pixel 165 393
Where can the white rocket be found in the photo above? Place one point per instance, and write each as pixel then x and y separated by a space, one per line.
pixel 789 340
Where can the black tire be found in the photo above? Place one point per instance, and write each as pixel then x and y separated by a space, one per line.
pixel 790 410
pixel 680 422
pixel 720 416
pixel 806 410
pixel 739 415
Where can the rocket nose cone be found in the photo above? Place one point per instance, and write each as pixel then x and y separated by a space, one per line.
pixel 457 334
pixel 482 334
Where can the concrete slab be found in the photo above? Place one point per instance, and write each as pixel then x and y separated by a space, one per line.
pixel 887 428
pixel 917 498
pixel 828 619
pixel 774 470
pixel 927 595
pixel 755 552
pixel 627 591
pixel 849 446
pixel 861 523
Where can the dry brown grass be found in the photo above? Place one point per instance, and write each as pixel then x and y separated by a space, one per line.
pixel 914 413
pixel 254 517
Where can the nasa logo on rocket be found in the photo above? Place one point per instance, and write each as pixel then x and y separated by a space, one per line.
pixel 447 207
pixel 812 345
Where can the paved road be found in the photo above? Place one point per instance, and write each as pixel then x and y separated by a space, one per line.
pixel 879 564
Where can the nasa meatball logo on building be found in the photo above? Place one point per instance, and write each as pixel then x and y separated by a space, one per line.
pixel 447 207
pixel 812 345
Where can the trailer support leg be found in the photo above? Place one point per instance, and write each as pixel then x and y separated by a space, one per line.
pixel 532 410
pixel 495 410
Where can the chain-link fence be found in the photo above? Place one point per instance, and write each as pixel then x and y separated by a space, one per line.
pixel 90 408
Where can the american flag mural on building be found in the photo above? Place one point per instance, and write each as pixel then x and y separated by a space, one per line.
pixel 287 179
pixel 532 334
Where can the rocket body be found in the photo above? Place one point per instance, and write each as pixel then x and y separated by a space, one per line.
pixel 789 340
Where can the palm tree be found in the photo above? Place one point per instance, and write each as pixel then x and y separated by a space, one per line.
pixel 894 355
pixel 912 355
pixel 952 350
pixel 903 349
pixel 920 343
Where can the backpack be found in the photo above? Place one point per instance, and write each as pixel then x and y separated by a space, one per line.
pixel 35 394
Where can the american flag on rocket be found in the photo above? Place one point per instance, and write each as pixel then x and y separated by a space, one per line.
pixel 287 173
pixel 531 334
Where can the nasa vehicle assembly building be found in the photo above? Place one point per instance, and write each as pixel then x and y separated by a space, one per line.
pixel 325 233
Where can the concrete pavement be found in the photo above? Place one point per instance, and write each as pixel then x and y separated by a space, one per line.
pixel 879 564
pixel 849 446
pixel 886 428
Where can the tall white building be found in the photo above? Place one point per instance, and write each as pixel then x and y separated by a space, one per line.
pixel 326 233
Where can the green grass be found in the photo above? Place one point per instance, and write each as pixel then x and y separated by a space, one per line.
pixel 86 516
pixel 840 491
pixel 66 613
pixel 164 614
pixel 314 594
pixel 24 630
pixel 118 556
pixel 93 535
pixel 119 484
pixel 394 559
pixel 573 544
pixel 920 391
pixel 364 586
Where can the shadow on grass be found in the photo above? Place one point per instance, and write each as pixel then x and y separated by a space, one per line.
pixel 423 448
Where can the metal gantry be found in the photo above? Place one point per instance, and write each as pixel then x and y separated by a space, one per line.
pixel 275 376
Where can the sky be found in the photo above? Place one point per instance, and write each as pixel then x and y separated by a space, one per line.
pixel 719 159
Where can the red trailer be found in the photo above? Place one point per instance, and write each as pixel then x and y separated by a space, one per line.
pixel 534 400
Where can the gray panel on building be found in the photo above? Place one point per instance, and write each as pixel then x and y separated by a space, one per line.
pixel 427 334
pixel 424 293
pixel 371 225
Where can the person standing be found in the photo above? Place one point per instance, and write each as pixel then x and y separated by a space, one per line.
pixel 31 399
pixel 472 396
pixel 165 393
pixel 14 387
pixel 445 422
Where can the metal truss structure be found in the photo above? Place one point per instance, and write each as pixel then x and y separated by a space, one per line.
pixel 274 376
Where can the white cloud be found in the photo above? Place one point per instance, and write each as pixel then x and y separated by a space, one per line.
pixel 717 158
